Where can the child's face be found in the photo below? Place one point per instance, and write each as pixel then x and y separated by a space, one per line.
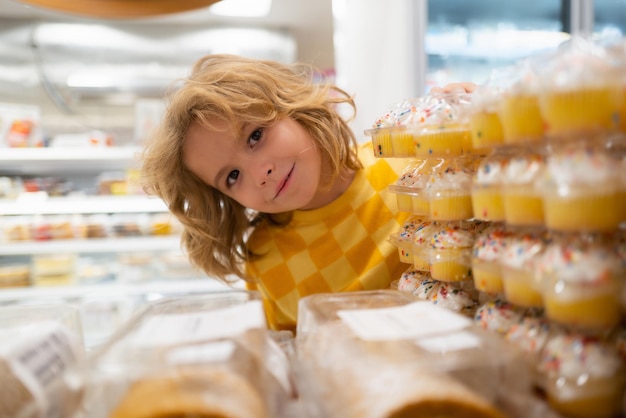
pixel 274 169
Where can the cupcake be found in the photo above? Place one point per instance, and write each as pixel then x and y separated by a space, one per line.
pixel 488 248
pixel 449 190
pixel 486 189
pixel 444 128
pixel 581 283
pixel 522 248
pixel 581 188
pixel 580 90
pixel 498 316
pixel 484 121
pixel 523 204
pixel 421 245
pixel 584 377
pixel 410 186
pixel 391 133
pixel 530 335
pixel 412 280
pixel 403 239
pixel 461 301
pixel 451 251
pixel 519 106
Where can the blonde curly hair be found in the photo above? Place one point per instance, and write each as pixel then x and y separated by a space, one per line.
pixel 240 91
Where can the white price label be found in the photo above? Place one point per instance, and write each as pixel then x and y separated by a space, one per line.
pixel 163 330
pixel 413 320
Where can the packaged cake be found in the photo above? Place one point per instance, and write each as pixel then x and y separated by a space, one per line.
pixel 383 354
pixel 202 355
pixel 42 361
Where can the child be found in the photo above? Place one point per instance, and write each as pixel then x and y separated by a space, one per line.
pixel 271 185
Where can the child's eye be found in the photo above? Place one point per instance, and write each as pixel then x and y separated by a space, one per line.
pixel 232 178
pixel 255 137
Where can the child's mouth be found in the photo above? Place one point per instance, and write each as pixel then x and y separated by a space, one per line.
pixel 283 184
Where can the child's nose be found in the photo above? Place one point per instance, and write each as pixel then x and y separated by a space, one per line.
pixel 265 173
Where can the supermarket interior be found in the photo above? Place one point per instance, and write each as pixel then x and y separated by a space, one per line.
pixel 500 217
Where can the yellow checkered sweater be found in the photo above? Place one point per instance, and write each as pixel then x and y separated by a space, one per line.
pixel 340 247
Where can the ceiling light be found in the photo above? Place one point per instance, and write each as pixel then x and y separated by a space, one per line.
pixel 242 8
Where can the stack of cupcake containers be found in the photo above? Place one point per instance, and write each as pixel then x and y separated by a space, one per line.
pixel 436 240
pixel 527 219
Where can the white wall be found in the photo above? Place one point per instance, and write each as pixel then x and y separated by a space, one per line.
pixel 378 50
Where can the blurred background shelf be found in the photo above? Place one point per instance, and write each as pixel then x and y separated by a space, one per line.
pixel 92 245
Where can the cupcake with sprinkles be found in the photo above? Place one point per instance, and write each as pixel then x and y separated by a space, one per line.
pixel 444 126
pixel 487 186
pixel 579 90
pixel 392 133
pixel 530 335
pixel 451 251
pixel 582 281
pixel 462 301
pixel 410 188
pixel 523 204
pixel 449 190
pixel 581 187
pixel 403 239
pixel 422 237
pixel 521 252
pixel 487 250
pixel 498 315
pixel 484 121
pixel 411 280
pixel 584 377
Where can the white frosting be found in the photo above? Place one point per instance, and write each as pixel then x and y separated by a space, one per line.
pixel 457 300
pixel 523 169
pixel 576 262
pixel 582 166
pixel 451 235
pixel 497 315
pixel 411 280
pixel 450 176
pixel 490 244
pixel 571 356
pixel 578 64
pixel 521 250
pixel 530 334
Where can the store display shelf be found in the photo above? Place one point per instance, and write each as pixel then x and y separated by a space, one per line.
pixel 94 245
pixel 154 288
pixel 81 159
pixel 40 204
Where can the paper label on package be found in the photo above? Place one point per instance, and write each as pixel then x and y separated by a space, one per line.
pixel 163 330
pixel 39 355
pixel 456 341
pixel 218 351
pixel 413 320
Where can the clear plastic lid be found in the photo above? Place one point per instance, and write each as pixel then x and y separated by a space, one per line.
pixel 203 354
pixel 377 349
pixel 41 361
